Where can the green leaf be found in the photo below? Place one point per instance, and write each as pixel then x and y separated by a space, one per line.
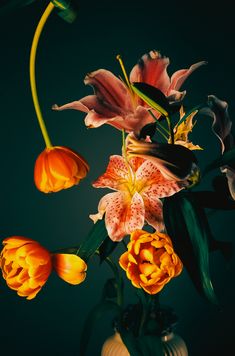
pixel 107 247
pixel 227 159
pixel 147 345
pixel 131 342
pixel 93 241
pixel 213 200
pixel 152 96
pixel 93 317
pixel 187 225
pixel 148 130
pixel 66 11
pixel 195 108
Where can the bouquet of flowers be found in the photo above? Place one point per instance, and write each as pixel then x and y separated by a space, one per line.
pixel 156 213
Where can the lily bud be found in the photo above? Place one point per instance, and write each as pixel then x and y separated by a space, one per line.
pixel 174 161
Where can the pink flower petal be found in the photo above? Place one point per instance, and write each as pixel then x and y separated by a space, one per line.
pixel 153 183
pixel 116 175
pixel 74 105
pixel 151 69
pixel 180 76
pixel 123 214
pixel 110 89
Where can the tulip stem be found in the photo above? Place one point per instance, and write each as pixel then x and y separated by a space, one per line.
pixel 118 278
pixel 33 52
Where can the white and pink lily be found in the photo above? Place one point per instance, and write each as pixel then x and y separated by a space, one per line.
pixel 114 102
pixel 139 185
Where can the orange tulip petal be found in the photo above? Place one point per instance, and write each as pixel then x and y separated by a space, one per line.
pixel 150 261
pixel 58 168
pixel 70 268
pixel 25 265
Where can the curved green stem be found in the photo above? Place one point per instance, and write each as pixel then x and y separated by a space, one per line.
pixel 33 53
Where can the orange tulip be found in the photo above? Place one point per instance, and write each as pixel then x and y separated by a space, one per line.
pixel 58 168
pixel 25 264
pixel 71 268
pixel 150 261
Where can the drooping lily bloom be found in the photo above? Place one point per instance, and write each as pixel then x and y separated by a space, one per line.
pixel 174 161
pixel 150 261
pixel 139 185
pixel 116 104
pixel 221 126
pixel 58 168
pixel 26 266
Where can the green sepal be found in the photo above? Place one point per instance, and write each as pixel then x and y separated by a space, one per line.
pixel 93 317
pixel 106 248
pixel 93 241
pixel 227 159
pixel 152 96
pixel 187 226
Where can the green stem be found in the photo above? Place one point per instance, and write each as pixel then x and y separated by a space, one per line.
pixel 158 123
pixel 170 129
pixel 118 278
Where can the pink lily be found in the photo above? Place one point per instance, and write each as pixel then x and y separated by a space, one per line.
pixel 139 185
pixel 114 102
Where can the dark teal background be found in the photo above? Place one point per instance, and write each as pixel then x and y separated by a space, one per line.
pixel 186 32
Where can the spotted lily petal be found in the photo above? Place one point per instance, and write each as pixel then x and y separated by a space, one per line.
pixel 115 176
pixel 122 214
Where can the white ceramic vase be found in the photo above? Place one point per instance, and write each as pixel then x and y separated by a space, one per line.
pixel 173 345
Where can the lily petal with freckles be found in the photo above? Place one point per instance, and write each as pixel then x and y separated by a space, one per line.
pixel 115 103
pixel 139 185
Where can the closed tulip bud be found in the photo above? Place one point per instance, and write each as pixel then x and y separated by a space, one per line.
pixel 70 268
pixel 58 168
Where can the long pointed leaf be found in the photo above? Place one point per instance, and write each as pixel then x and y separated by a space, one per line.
pixel 189 230
pixel 152 96
pixel 93 241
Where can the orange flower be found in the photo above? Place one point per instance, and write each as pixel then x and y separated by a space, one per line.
pixel 150 261
pixel 26 266
pixel 58 168
pixel 71 268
